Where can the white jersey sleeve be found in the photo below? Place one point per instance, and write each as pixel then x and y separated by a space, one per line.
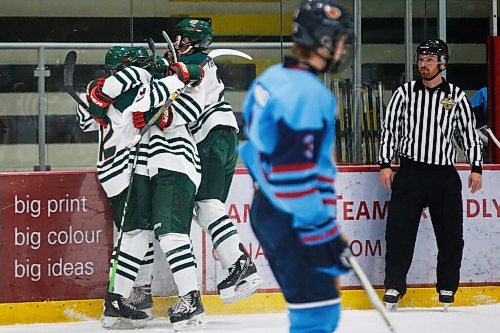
pixel 216 111
pixel 124 80
pixel 85 120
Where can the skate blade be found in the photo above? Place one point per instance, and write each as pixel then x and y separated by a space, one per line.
pixel 391 307
pixel 445 306
pixel 242 291
pixel 120 323
pixel 195 322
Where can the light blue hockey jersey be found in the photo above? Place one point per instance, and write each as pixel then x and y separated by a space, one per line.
pixel 289 117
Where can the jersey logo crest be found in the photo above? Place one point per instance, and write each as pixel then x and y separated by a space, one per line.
pixel 448 103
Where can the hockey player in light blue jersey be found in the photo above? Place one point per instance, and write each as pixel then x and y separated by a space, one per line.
pixel 289 119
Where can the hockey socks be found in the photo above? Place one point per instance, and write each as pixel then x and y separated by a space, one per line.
pixel 177 249
pixel 145 275
pixel 213 219
pixel 131 254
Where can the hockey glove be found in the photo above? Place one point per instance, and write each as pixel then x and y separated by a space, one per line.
pixel 326 249
pixel 169 56
pixel 158 67
pixel 141 119
pixel 98 102
pixel 187 72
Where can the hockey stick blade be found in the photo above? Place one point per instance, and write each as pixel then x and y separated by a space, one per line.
pixel 152 47
pixel 68 74
pixel 170 45
pixel 372 295
pixel 226 52
pixel 69 68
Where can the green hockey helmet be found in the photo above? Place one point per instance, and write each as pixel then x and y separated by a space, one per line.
pixel 119 57
pixel 141 56
pixel 193 34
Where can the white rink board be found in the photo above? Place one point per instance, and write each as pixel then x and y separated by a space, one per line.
pixel 361 212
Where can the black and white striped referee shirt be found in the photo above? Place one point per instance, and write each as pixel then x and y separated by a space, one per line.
pixel 420 122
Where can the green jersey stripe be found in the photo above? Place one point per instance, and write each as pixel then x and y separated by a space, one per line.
pixel 177 250
pixel 181 267
pixel 192 101
pixel 182 104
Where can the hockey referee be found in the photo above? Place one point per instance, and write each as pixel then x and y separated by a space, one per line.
pixel 421 119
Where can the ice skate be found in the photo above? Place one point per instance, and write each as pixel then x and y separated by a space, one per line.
pixel 241 282
pixel 446 297
pixel 119 314
pixel 187 312
pixel 391 299
pixel 142 299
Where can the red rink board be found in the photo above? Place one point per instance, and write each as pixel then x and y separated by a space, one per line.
pixel 55 236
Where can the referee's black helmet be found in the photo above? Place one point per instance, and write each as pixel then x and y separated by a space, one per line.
pixel 434 47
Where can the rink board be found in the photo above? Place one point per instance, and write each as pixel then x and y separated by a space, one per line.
pixel 56 238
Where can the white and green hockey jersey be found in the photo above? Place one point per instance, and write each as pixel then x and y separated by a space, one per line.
pixel 115 161
pixel 174 147
pixel 216 111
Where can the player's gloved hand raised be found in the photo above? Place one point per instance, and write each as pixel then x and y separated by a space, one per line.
pixel 326 248
pixel 169 56
pixel 140 119
pixel 98 101
pixel 187 72
pixel 158 67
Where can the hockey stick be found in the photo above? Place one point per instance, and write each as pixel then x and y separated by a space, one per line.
pixel 152 46
pixel 112 274
pixel 372 295
pixel 492 136
pixel 170 45
pixel 68 74
pixel 213 54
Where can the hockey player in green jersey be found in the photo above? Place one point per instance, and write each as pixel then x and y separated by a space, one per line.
pixel 114 171
pixel 173 168
pixel 215 133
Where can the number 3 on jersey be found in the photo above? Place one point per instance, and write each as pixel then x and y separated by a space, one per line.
pixel 308 141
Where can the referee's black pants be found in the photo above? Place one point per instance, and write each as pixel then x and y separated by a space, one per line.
pixel 416 186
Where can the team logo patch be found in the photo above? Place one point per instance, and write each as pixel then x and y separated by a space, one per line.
pixel 332 12
pixel 448 103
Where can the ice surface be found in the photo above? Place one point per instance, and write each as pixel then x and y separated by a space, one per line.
pixel 483 319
